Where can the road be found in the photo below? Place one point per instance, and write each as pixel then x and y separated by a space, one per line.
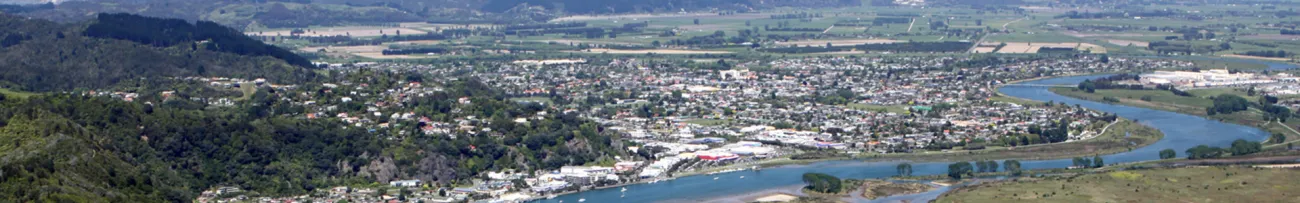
pixel 1004 25
pixel 909 25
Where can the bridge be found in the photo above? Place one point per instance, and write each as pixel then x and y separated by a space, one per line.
pixel 1039 85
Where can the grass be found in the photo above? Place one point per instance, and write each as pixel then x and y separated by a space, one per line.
pixel 1221 91
pixel 543 100
pixel 1221 64
pixel 1195 105
pixel 1160 100
pixel 1045 37
pixel 1024 102
pixel 12 93
pixel 708 122
pixel 1113 141
pixel 248 89
pixel 1157 97
pixel 898 109
pixel 1193 184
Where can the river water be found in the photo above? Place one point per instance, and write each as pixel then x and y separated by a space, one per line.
pixel 1181 132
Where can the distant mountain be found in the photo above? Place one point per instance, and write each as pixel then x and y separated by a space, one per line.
pixel 39 55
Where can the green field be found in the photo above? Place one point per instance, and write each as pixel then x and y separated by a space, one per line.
pixel 708 122
pixel 11 93
pixel 1195 184
pixel 543 100
pixel 1160 98
pixel 1123 136
pixel 899 109
pixel 1194 105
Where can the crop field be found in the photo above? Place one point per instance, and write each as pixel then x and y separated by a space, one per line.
pixel 1191 184
pixel 650 51
pixel 839 42
pixel 1031 47
pixel 355 31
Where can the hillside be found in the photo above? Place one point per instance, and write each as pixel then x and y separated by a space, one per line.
pixel 97 149
pixel 39 55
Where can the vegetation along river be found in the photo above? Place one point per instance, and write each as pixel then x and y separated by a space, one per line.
pixel 1181 132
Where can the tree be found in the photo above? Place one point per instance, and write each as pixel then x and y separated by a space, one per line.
pixel 1204 152
pixel 1082 162
pixel 1105 58
pixel 1251 91
pixel 822 182
pixel 959 170
pixel 905 169
pixel 1097 162
pixel 1243 147
pixel 1088 86
pixel 1277 138
pixel 1228 103
pixel 655 43
pixel 1168 154
pixel 697 21
pixel 1012 166
pixel 981 166
pixel 993 166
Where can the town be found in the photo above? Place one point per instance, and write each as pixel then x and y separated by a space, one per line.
pixel 674 121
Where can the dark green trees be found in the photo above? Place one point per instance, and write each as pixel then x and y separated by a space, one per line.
pixel 1243 147
pixel 1168 154
pixel 1227 103
pixel 1204 152
pixel 1277 138
pixel 821 182
pixel 960 169
pixel 986 166
pixel 1012 166
pixel 905 169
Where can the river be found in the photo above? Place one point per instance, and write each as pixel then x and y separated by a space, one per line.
pixel 1181 132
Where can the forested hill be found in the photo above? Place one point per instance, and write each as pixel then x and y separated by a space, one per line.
pixel 74 148
pixel 38 55
pixel 171 32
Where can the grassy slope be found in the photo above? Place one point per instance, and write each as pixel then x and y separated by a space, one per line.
pixel 1203 184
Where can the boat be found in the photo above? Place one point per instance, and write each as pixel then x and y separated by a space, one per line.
pixel 715 178
pixel 742 177
pixel 550 196
pixel 623 190
pixel 582 200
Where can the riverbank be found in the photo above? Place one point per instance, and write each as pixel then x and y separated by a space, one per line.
pixel 1194 105
pixel 1186 184
pixel 699 188
pixel 1122 136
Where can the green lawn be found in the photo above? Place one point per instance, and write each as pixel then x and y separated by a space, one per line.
pixel 1218 64
pixel 12 93
pixel 1200 184
pixel 532 99
pixel 708 122
pixel 1221 91
pixel 1155 96
pixel 899 109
